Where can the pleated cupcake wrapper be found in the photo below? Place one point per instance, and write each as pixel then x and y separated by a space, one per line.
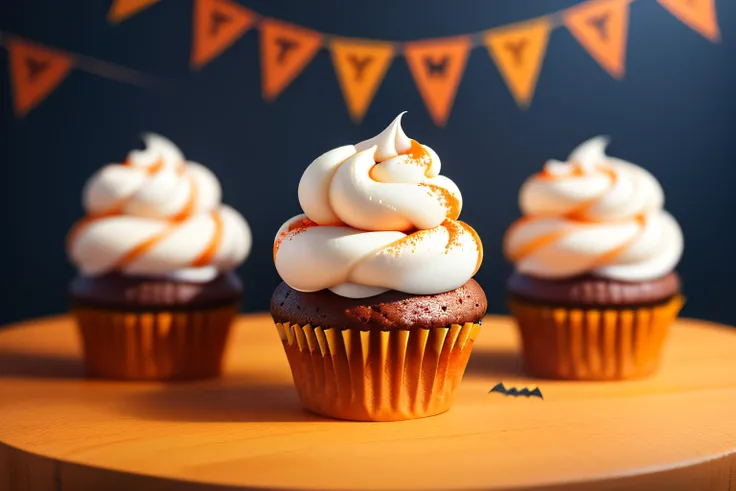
pixel 593 344
pixel 377 375
pixel 154 345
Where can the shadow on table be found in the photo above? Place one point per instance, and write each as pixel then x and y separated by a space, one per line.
pixel 32 365
pixel 219 401
pixel 495 363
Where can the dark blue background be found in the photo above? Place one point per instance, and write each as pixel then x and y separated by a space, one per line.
pixel 672 114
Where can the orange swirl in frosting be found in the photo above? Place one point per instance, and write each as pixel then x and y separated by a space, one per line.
pixel 153 201
pixel 455 230
pixel 593 215
pixel 186 212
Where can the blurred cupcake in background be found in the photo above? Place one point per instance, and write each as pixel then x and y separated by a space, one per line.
pixel 156 295
pixel 594 290
pixel 378 310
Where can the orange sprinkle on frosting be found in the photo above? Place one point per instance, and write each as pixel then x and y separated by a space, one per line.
pixel 454 229
pixel 446 199
pixel 454 232
pixel 478 243
pixel 418 155
pixel 410 242
pixel 292 231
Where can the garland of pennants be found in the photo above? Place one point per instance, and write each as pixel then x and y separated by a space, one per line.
pixel 437 65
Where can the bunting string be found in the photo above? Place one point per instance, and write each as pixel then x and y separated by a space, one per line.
pixel 37 70
pixel 437 65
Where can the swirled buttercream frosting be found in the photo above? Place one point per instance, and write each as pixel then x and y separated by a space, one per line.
pixel 378 216
pixel 157 215
pixel 593 214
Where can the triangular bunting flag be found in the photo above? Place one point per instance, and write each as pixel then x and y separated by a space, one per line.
pixel 217 25
pixel 122 9
pixel 360 68
pixel 601 28
pixel 285 51
pixel 700 15
pixel 35 72
pixel 518 51
pixel 437 67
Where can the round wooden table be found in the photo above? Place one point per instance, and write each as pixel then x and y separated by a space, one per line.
pixel 60 431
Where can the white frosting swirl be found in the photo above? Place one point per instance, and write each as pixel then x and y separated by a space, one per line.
pixel 403 192
pixel 594 215
pixel 377 217
pixel 157 215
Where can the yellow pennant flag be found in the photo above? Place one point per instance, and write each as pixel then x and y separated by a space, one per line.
pixel 699 15
pixel 286 50
pixel 35 72
pixel 601 28
pixel 122 9
pixel 437 67
pixel 518 51
pixel 217 25
pixel 360 67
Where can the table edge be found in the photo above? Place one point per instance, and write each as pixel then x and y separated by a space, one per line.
pixel 246 315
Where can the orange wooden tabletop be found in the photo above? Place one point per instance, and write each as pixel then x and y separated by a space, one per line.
pixel 59 431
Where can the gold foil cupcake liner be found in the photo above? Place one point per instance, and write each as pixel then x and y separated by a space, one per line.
pixel 377 375
pixel 593 344
pixel 154 345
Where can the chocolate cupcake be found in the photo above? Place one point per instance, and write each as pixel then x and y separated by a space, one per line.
pixel 156 295
pixel 594 290
pixel 378 310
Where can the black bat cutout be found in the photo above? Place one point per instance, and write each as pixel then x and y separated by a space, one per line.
pixel 513 391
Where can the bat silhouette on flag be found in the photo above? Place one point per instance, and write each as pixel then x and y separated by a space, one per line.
pixel 513 391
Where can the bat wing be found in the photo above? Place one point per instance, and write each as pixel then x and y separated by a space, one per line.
pixel 514 392
pixel 499 387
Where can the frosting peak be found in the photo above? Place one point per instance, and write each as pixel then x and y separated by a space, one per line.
pixel 156 182
pixel 391 142
pixel 354 186
pixel 593 214
pixel 590 153
pixel 377 216
pixel 157 214
pixel 159 150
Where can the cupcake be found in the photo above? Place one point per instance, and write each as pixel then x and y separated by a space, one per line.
pixel 378 310
pixel 156 295
pixel 594 290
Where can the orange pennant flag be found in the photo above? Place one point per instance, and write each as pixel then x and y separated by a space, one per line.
pixel 601 28
pixel 518 51
pixel 285 51
pixel 35 72
pixel 122 9
pixel 437 66
pixel 217 25
pixel 700 15
pixel 360 67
